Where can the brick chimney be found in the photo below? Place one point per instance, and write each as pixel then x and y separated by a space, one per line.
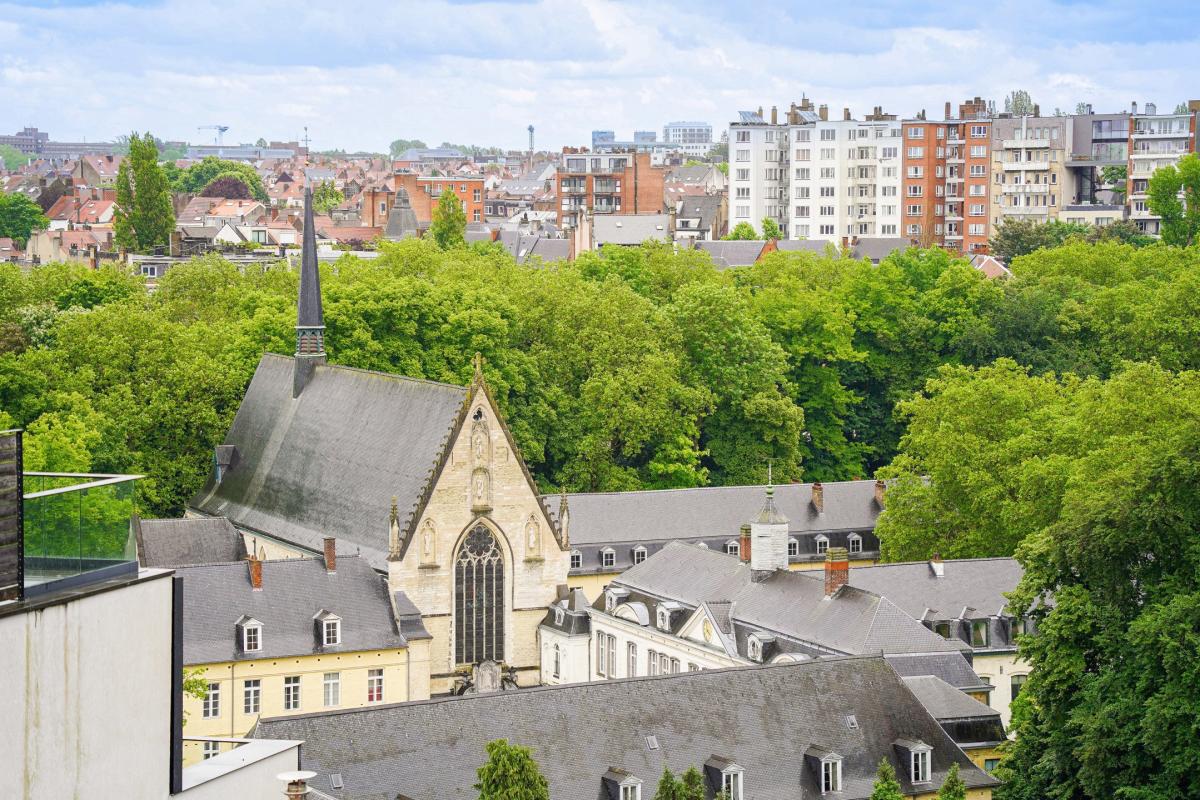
pixel 255 572
pixel 823 112
pixel 744 546
pixel 846 114
pixel 330 554
pixel 837 570
pixel 880 490
pixel 818 497
pixel 774 115
pixel 947 110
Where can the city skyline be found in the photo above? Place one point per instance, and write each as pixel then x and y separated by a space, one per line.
pixel 480 73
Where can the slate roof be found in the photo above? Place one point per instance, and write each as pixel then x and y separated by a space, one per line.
pixel 786 603
pixel 975 583
pixel 805 246
pixel 329 462
pixel 732 253
pixel 630 229
pixel 943 701
pixel 704 207
pixel 949 667
pixel 179 542
pixel 217 596
pixel 525 247
pixel 765 721
pixel 877 248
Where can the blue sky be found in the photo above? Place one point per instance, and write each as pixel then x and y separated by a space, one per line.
pixel 361 74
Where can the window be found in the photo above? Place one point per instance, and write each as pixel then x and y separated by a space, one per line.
pixel 608 557
pixel 731 784
pixel 332 686
pixel 664 664
pixel 831 775
pixel 802 211
pixel 211 749
pixel 978 190
pixel 979 131
pixel 651 662
pixel 291 693
pixel 742 192
pixel 375 686
pixel 942 629
pixel 979 633
pixel 630 660
pixel 827 211
pixel 854 541
pixel 475 215
pixel 919 766
pixel 828 135
pixel 914 230
pixel 803 193
pixel 826 230
pixel 754 646
pixel 743 155
pixel 793 548
pixel 916 191
pixel 674 666
pixel 979 151
pixel 914 133
pixel 803 173
pixel 976 229
pixel 1018 683
pixel 828 172
pixel 916 152
pixel 576 559
pixel 822 545
pixel 887 230
pixel 331 632
pixel 251 696
pixel 978 170
pixel 977 210
pixel 639 554
pixel 664 619
pixel 743 174
pixel 743 136
pixel 475 195
pixel 828 153
pixel 742 212
pixel 252 638
pixel 990 764
pixel 915 172
pixel 212 701
pixel 733 548
pixel 631 791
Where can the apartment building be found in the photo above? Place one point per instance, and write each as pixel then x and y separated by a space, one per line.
pixel 425 191
pixel 607 183
pixel 1156 140
pixel 817 178
pixel 692 138
pixel 1030 174
pixel 947 174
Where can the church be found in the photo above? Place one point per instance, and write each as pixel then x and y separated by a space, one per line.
pixel 421 479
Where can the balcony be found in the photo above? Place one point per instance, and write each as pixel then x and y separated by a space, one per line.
pixel 1025 211
pixel 1177 152
pixel 574 188
pixel 76 529
pixel 1025 144
pixel 1160 134
pixel 607 208
pixel 1027 166
pixel 1026 188
pixel 606 187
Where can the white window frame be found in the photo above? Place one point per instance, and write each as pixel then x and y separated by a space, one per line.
pixel 822 544
pixel 631 659
pixel 557 673
pixel 375 684
pixel 246 632
pixel 331 689
pixel 211 708
pixel 639 554
pixel 251 696
pixel 631 791
pixel 601 655
pixel 919 765
pixel 291 693
pixel 576 559
pixel 732 783
pixel 211 749
pixel 334 627
pixel 831 775
pixel 854 544
pixel 608 558
pixel 733 548
pixel 793 547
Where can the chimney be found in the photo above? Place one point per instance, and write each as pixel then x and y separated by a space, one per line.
pixel 818 497
pixel 823 112
pixel 774 115
pixel 297 783
pixel 255 572
pixel 744 545
pixel 330 554
pixel 880 489
pixel 760 112
pixel 846 114
pixel 1037 110
pixel 936 566
pixel 947 109
pixel 1133 107
pixel 837 570
pixel 769 530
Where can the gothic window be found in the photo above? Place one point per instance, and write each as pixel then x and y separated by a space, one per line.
pixel 479 599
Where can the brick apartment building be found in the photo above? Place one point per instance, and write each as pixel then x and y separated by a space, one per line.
pixel 946 178
pixel 607 183
pixel 424 193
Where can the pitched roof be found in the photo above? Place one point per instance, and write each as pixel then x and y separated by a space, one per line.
pixel 949 667
pixel 179 542
pixel 216 596
pixel 805 246
pixel 877 248
pixel 670 514
pixel 329 462
pixel 787 603
pixel 978 584
pixel 525 247
pixel 630 228
pixel 765 722
pixel 732 252
pixel 944 701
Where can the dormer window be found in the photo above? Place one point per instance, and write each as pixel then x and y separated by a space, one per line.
pixel 942 629
pixel 854 543
pixel 328 628
pixel 576 559
pixel 733 547
pixel 979 633
pixel 831 774
pixel 755 647
pixel 613 597
pixel 639 554
pixel 664 620
pixel 822 545
pixel 252 638
pixel 559 616
pixel 757 644
pixel 919 765
pixel 608 557
pixel 793 548
pixel 631 792
pixel 731 783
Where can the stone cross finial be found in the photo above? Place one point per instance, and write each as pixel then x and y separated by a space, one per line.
pixel 394 532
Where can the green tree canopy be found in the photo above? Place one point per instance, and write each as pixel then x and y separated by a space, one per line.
pixel 327 197
pixel 11 158
pixel 952 787
pixel 20 218
pixel 1018 103
pixel 743 230
pixel 510 773
pixel 1174 196
pixel 1019 237
pixel 449 225
pixel 397 147
pixel 669 787
pixel 692 785
pixel 197 176
pixel 770 229
pixel 886 786
pixel 144 217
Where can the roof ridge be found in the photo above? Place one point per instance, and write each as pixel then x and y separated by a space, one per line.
pixel 708 488
pixel 380 373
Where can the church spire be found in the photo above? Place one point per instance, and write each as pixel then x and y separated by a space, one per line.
pixel 310 318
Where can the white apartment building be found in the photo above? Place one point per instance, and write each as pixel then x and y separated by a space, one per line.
pixel 1156 140
pixel 692 138
pixel 819 179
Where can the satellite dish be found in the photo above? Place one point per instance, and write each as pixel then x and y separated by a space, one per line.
pixel 296 775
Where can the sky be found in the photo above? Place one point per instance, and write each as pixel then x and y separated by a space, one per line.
pixel 359 75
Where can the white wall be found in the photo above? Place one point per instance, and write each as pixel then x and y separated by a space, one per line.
pixel 86 701
pixel 244 773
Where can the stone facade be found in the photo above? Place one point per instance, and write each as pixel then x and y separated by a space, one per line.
pixel 482 482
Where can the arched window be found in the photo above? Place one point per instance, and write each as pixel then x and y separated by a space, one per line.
pixel 479 599
pixel 822 544
pixel 733 547
pixel 557 661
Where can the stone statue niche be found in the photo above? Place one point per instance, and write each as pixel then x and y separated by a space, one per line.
pixel 481 490
pixel 428 543
pixel 533 538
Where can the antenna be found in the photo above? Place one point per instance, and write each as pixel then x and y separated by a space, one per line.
pixel 306 140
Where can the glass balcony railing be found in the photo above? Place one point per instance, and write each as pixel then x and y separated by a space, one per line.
pixel 76 529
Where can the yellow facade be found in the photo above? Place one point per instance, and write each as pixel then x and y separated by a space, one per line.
pixel 972 794
pixel 405 677
pixel 999 670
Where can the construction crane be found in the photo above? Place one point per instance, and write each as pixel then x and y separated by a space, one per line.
pixel 220 129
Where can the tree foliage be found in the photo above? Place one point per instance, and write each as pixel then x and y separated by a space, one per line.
pixel 229 185
pixel 1174 197
pixel 669 787
pixel 952 787
pixel 327 197
pixel 144 217
pixel 510 773
pixel 886 787
pixel 742 231
pixel 692 785
pixel 11 158
pixel 397 147
pixel 193 179
pixel 1019 103
pixel 20 218
pixel 770 229
pixel 1019 237
pixel 449 225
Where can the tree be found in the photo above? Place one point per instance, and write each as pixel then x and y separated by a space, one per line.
pixel 193 179
pixel 743 230
pixel 1181 108
pixel 723 167
pixel 195 684
pixel 770 229
pixel 669 787
pixel 1174 196
pixel 20 217
pixel 11 158
pixel 1018 237
pixel 886 786
pixel 1019 103
pixel 229 185
pixel 692 784
pixel 398 147
pixel 449 225
pixel 510 773
pixel 719 152
pixel 1114 175
pixel 1081 108
pixel 953 787
pixel 327 197
pixel 144 217
pixel 261 142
